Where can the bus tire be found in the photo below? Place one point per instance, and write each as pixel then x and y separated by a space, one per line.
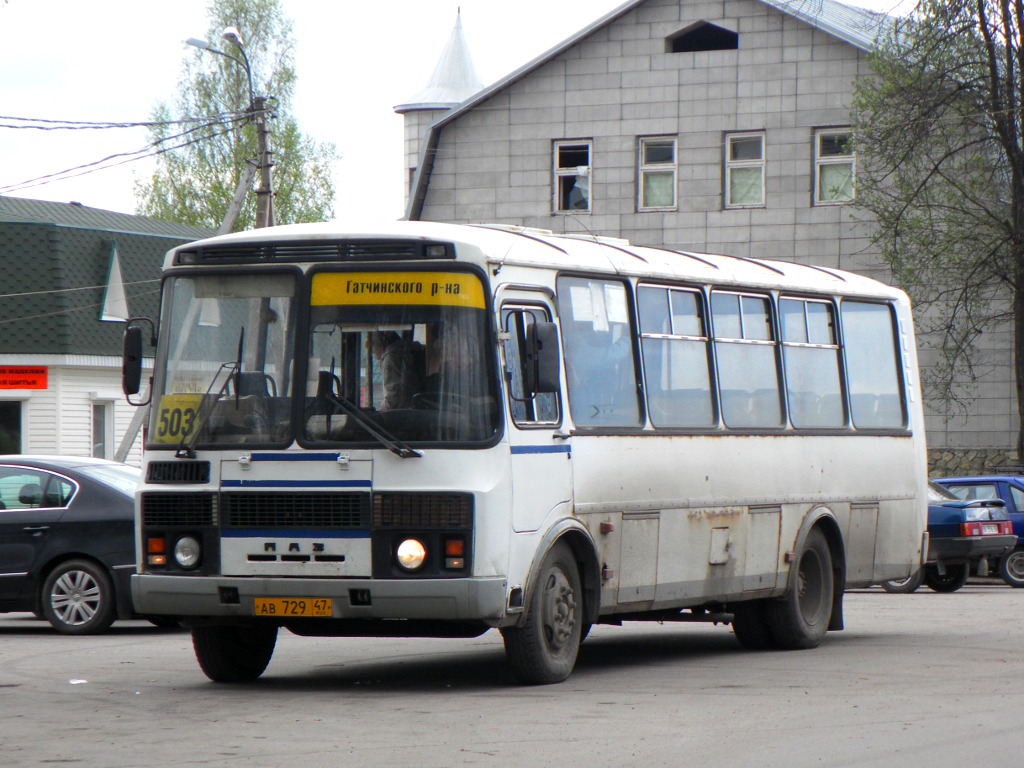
pixel 800 619
pixel 750 626
pixel 952 580
pixel 544 649
pixel 234 654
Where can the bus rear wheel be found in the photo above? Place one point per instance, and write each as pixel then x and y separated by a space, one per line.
pixel 544 649
pixel 800 619
pixel 751 627
pixel 234 654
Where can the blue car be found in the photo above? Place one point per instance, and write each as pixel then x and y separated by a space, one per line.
pixel 1010 490
pixel 962 537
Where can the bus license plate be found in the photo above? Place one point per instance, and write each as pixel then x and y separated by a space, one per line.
pixel 317 608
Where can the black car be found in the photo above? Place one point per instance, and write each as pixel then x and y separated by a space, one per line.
pixel 67 540
pixel 962 537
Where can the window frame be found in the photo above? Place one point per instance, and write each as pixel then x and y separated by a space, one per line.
pixel 530 419
pixel 560 173
pixel 734 165
pixel 677 336
pixel 645 169
pixel 823 161
pixel 790 366
pixel 749 340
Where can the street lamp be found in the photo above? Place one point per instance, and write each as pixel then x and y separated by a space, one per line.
pixel 257 112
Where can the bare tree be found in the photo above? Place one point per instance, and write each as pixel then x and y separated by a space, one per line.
pixel 939 144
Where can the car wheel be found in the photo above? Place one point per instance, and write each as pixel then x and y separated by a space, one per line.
pixel 904 586
pixel 954 578
pixel 78 598
pixel 1011 567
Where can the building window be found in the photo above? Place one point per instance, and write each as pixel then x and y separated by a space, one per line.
pixel 744 170
pixel 657 164
pixel 10 426
pixel 572 176
pixel 102 430
pixel 834 167
pixel 703 36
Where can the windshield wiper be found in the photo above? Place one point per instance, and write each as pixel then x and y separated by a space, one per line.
pixel 325 389
pixel 186 448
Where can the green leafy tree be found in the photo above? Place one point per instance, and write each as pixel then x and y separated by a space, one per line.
pixel 941 166
pixel 208 135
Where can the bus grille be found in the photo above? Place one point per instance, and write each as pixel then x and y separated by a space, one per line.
pixel 178 509
pixel 422 510
pixel 339 250
pixel 195 472
pixel 296 510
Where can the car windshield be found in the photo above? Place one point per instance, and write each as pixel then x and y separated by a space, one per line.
pixel 121 477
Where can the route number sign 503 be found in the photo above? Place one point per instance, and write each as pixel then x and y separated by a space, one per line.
pixel 176 417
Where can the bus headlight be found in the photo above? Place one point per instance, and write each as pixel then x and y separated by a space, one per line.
pixel 186 552
pixel 411 554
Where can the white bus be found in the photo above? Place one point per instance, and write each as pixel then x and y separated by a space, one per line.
pixel 437 430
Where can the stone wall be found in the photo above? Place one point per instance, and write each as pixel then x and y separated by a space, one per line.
pixel 981 461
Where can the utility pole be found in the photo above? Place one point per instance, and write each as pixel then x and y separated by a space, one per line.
pixel 265 193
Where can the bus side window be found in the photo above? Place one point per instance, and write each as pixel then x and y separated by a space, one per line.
pixel 872 364
pixel 675 356
pixel 748 373
pixel 526 408
pixel 597 339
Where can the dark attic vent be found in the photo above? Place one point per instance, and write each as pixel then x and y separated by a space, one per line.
pixel 703 36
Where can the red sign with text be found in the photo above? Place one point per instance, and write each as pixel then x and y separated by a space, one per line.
pixel 22 377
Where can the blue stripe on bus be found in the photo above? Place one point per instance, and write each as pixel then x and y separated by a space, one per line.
pixel 517 449
pixel 294 457
pixel 296 484
pixel 291 533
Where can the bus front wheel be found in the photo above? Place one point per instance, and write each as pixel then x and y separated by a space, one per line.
pixel 800 619
pixel 544 649
pixel 234 654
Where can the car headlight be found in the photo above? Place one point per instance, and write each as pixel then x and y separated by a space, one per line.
pixel 187 552
pixel 411 554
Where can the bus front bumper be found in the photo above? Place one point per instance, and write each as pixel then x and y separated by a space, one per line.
pixel 471 599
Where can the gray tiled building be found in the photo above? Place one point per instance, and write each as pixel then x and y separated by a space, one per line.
pixel 707 125
pixel 69 276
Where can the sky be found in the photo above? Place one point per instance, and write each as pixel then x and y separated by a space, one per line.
pixel 114 60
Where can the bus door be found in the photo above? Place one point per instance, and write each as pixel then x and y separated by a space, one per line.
pixel 541 455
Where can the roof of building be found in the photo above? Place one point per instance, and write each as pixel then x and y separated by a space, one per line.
pixel 454 79
pixel 21 210
pixel 67 270
pixel 859 27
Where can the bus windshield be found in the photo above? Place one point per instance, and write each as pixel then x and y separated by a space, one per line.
pixel 227 344
pixel 404 354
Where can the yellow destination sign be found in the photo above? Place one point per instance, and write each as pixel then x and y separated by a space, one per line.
pixel 446 289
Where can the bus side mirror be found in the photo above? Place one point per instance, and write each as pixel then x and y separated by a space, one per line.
pixel 131 365
pixel 542 361
pixel 131 362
